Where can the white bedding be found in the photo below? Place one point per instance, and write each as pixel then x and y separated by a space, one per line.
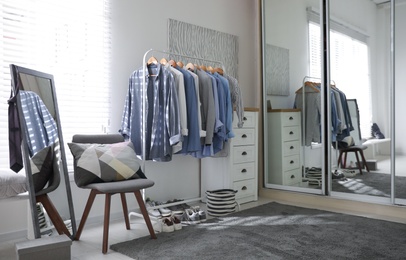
pixel 12 184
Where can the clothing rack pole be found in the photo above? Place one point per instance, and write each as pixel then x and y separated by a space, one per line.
pixel 144 96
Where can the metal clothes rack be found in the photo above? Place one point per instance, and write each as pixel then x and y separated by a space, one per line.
pixel 144 88
pixel 307 79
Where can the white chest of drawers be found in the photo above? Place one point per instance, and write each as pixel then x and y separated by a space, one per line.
pixel 284 142
pixel 239 170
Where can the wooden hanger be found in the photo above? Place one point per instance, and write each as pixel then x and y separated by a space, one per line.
pixel 196 66
pixel 190 67
pixel 152 60
pixel 219 70
pixel 172 63
pixel 203 67
pixel 311 85
pixel 163 61
pixel 180 64
pixel 210 69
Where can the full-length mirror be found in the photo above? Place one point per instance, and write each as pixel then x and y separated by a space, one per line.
pixel 43 152
pixel 359 99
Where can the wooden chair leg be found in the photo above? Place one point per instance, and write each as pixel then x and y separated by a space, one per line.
pixel 359 164
pixel 53 214
pixel 144 212
pixel 125 210
pixel 340 156
pixel 88 206
pixel 345 160
pixel 106 223
pixel 363 160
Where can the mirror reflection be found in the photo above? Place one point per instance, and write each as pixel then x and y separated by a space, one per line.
pixel 359 68
pixel 51 201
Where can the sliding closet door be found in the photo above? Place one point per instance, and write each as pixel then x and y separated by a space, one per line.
pixel 399 103
pixel 293 153
pixel 360 68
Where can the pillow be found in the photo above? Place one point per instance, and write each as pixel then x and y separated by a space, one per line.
pixel 95 163
pixel 42 167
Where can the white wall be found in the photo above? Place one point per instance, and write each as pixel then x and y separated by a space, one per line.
pixel 138 26
pixel 381 99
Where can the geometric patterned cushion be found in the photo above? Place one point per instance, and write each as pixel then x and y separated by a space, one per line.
pixel 95 163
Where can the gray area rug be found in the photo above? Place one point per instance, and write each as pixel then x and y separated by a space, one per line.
pixel 276 231
pixel 371 183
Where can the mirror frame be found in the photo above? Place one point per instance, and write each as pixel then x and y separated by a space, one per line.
pixel 15 83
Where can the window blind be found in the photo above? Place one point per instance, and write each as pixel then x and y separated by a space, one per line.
pixel 69 39
pixel 349 64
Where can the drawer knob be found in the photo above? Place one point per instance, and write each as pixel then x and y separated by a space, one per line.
pixel 290 118
pixel 291 147
pixel 244 136
pixel 292 162
pixel 292 177
pixel 244 153
pixel 244 170
pixel 244 188
pixel 291 132
pixel 245 119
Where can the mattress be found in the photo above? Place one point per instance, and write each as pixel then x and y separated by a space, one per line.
pixel 12 184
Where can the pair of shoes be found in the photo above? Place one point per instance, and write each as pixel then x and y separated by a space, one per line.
pixel 171 224
pixel 190 217
pixel 202 213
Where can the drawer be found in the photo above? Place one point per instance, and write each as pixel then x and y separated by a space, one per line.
pixel 290 119
pixel 243 154
pixel 291 148
pixel 243 171
pixel 244 136
pixel 292 177
pixel 248 119
pixel 291 162
pixel 244 188
pixel 290 133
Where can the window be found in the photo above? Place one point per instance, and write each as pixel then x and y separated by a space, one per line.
pixel 69 39
pixel 349 65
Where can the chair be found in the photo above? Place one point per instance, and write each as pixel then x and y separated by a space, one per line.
pixel 357 149
pixel 111 188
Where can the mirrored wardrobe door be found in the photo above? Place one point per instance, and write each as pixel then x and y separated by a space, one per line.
pixel 399 103
pixel 360 69
pixel 292 97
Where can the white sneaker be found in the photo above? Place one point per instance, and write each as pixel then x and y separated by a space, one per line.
pixel 176 222
pixel 165 212
pixel 191 217
pixel 152 212
pixel 167 225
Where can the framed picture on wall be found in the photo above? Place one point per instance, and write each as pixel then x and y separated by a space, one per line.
pixel 277 70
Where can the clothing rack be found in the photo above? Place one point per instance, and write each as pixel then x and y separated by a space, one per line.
pixel 144 89
pixel 303 90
